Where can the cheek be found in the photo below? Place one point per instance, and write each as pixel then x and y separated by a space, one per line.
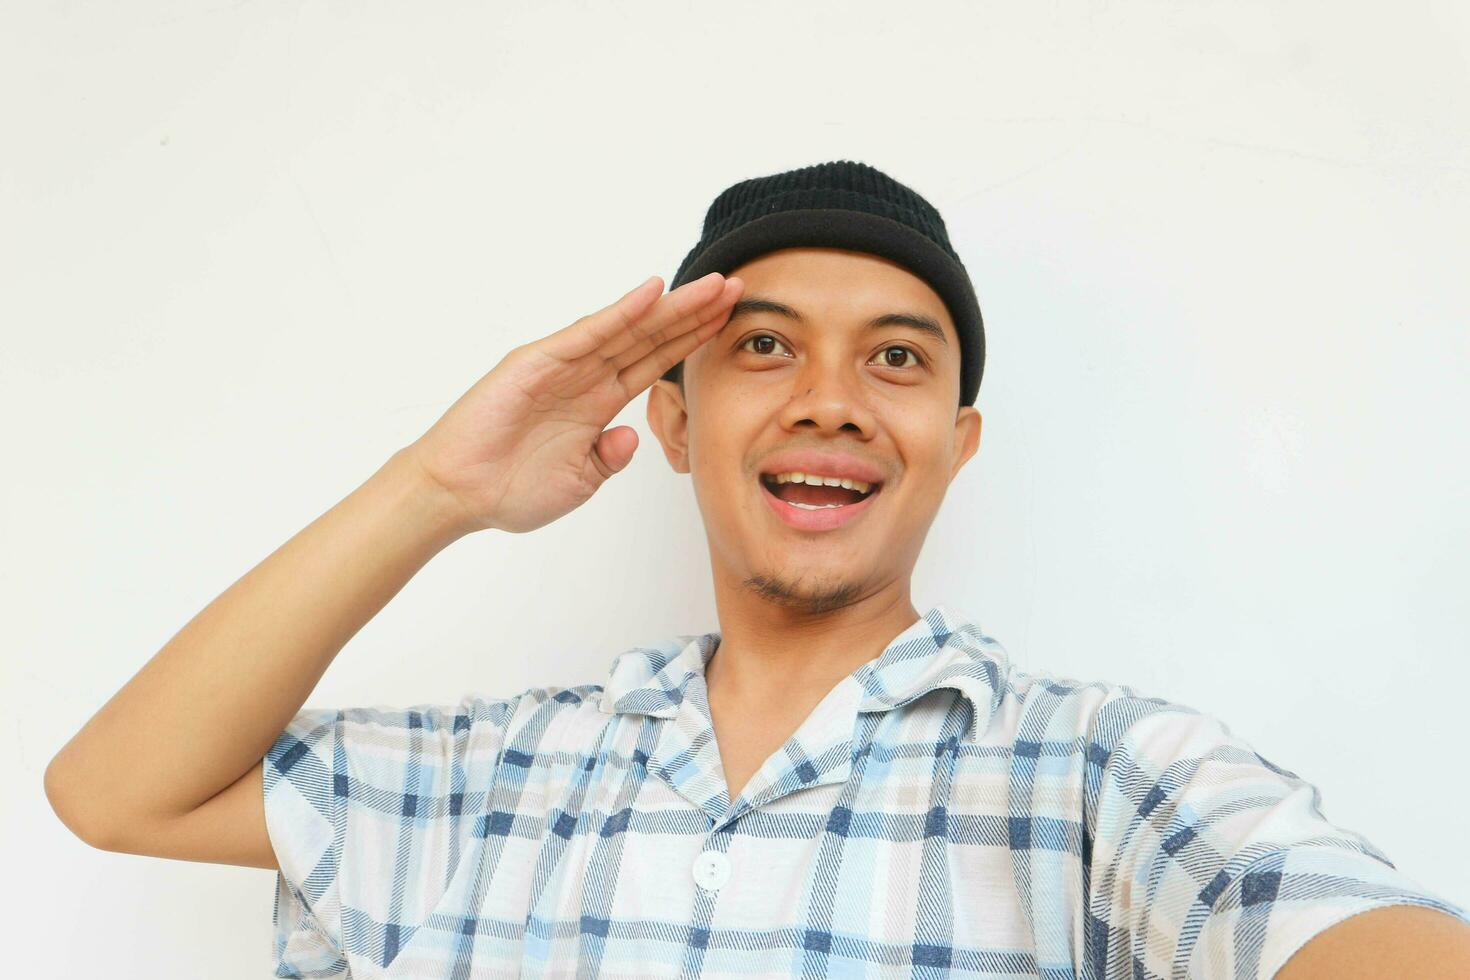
pixel 926 462
pixel 716 452
pixel 709 446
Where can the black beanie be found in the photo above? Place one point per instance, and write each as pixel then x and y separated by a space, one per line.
pixel 842 204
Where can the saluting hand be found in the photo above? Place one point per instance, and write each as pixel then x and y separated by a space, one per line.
pixel 527 444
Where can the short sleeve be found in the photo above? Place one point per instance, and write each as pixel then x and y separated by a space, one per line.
pixel 1206 861
pixel 368 811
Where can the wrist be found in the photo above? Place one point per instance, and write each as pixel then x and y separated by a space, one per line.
pixel 428 505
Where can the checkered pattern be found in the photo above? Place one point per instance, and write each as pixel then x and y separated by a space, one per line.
pixel 939 813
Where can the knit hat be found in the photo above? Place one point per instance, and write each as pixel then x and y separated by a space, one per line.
pixel 841 204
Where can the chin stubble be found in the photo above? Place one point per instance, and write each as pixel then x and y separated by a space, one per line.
pixel 789 594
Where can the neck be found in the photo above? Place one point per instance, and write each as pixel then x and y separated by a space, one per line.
pixel 772 650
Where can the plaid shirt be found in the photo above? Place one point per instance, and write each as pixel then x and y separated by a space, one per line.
pixel 939 813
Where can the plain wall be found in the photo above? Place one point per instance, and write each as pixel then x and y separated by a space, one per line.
pixel 249 250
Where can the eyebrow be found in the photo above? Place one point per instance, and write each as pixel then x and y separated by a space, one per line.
pixel 918 321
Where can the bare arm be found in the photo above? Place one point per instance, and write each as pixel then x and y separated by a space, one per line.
pixel 171 765
pixel 1384 943
pixel 208 705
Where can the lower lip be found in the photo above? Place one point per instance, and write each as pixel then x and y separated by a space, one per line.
pixel 824 519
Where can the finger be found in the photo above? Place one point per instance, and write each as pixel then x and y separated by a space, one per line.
pixel 613 450
pixel 615 327
pixel 639 349
pixel 586 334
pixel 638 376
pixel 669 317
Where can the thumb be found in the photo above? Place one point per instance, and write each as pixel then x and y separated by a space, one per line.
pixel 614 449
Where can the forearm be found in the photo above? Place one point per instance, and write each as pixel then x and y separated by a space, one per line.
pixel 209 704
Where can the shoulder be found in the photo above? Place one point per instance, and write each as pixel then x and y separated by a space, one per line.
pixel 374 743
pixel 1098 715
pixel 552 718
pixel 1099 729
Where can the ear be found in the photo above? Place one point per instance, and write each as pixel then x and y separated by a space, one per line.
pixel 967 436
pixel 668 417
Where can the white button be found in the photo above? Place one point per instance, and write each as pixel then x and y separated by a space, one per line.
pixel 711 869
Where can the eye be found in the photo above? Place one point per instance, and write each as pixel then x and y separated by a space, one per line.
pixel 918 361
pixel 759 336
pixel 900 347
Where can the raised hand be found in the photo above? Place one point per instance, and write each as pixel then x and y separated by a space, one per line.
pixel 527 443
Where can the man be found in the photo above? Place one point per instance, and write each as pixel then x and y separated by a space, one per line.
pixel 832 783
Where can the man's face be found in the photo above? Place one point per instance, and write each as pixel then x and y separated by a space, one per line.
pixel 883 401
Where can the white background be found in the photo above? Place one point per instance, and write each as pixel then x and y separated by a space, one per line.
pixel 248 250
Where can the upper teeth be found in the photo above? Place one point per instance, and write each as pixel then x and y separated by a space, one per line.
pixel 820 481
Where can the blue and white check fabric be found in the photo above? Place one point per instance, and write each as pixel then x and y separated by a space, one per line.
pixel 939 813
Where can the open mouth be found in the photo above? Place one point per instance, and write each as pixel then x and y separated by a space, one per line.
pixel 812 492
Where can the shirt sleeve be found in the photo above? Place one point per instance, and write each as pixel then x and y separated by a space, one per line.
pixel 369 810
pixel 1204 860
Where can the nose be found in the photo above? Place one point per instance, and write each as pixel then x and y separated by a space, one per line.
pixel 828 395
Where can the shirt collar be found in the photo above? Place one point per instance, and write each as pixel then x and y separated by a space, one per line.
pixel 942 648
